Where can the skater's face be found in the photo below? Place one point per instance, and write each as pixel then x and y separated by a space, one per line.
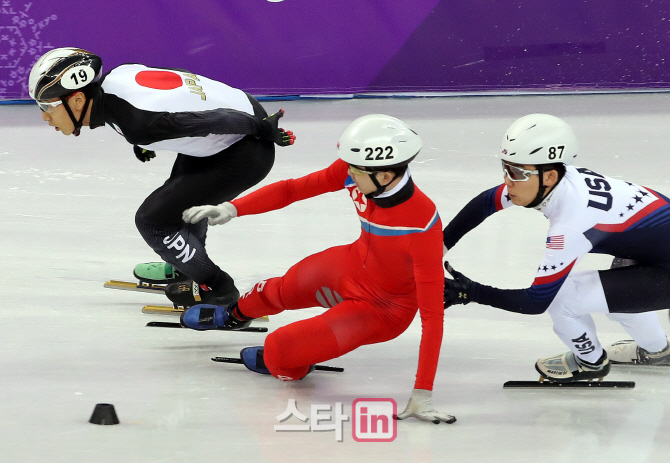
pixel 57 115
pixel 361 178
pixel 522 193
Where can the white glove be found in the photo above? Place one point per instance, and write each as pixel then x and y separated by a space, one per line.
pixel 420 407
pixel 216 215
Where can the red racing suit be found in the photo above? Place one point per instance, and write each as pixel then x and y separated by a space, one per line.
pixel 371 287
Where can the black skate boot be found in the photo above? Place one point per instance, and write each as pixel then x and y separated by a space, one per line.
pixel 190 293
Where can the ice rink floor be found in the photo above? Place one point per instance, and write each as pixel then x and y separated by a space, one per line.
pixel 67 343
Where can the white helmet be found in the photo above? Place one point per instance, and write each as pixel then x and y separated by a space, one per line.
pixel 378 142
pixel 539 139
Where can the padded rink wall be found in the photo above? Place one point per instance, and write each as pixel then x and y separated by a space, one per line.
pixel 357 47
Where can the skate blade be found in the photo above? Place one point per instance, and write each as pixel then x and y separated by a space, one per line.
pixel 162 310
pixel 130 286
pixel 177 310
pixel 638 364
pixel 577 384
pixel 248 329
pixel 239 360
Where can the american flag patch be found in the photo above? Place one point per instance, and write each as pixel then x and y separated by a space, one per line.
pixel 555 242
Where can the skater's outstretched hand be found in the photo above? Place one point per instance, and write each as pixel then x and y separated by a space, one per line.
pixel 272 131
pixel 456 290
pixel 421 407
pixel 216 215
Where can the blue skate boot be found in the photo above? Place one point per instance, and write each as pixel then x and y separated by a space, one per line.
pixel 203 317
pixel 252 357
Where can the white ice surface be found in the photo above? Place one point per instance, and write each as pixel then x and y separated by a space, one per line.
pixel 66 343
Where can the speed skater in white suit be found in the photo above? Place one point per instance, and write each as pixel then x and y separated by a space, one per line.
pixel 588 213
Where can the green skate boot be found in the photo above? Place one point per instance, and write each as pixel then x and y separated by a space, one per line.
pixel 158 273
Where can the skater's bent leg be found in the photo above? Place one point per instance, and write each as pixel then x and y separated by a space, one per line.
pixel 636 289
pixel 180 247
pixel 290 350
pixel 580 295
pixel 314 281
pixel 644 328
pixel 255 304
pixel 288 354
pixel 632 294
pixel 196 181
pixel 198 230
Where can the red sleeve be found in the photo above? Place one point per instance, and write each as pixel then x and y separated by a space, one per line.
pixel 426 252
pixel 281 194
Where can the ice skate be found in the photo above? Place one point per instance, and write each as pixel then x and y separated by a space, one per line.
pixel 629 353
pixel 568 368
pixel 252 357
pixel 204 317
pixel 158 273
pixel 190 293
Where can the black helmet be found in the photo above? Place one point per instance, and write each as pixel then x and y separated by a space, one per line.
pixel 63 71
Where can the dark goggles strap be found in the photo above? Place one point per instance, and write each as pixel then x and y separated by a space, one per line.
pixel 380 189
pixel 77 123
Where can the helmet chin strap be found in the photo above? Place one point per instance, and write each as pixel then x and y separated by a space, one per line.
pixel 77 123
pixel 380 188
pixel 540 191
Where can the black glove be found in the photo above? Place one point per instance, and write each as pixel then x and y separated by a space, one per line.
pixel 456 291
pixel 142 154
pixel 270 130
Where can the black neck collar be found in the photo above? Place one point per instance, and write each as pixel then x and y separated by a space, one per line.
pixel 97 111
pixel 400 197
